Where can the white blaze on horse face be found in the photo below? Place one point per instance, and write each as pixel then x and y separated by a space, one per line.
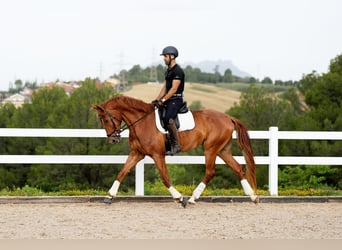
pixel 248 189
pixel 175 194
pixel 114 189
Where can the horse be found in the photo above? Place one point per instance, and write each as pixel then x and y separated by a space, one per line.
pixel 212 129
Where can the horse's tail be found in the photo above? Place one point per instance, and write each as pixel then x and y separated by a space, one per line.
pixel 246 146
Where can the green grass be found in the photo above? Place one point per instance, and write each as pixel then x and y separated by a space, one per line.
pixel 31 191
pixel 160 189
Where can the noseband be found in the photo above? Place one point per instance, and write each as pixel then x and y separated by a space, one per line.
pixel 117 131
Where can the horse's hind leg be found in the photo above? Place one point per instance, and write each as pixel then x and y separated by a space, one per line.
pixel 227 157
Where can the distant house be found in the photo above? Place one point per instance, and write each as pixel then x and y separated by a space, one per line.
pixel 16 99
pixel 114 83
pixel 69 88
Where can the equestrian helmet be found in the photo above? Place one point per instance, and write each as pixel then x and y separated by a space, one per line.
pixel 170 50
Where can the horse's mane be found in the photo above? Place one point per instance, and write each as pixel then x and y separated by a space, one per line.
pixel 127 101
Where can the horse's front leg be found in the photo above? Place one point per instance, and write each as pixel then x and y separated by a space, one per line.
pixel 210 157
pixel 161 166
pixel 133 158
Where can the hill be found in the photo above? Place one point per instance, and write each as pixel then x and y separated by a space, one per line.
pixel 210 96
pixel 222 66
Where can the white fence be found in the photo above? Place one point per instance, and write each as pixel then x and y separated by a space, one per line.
pixel 272 160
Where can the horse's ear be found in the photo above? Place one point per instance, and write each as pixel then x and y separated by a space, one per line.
pixel 98 108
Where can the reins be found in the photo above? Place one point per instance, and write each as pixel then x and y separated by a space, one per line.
pixel 119 131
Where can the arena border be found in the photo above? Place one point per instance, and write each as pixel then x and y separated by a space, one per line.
pixel 213 199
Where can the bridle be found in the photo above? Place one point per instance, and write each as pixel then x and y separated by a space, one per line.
pixel 117 131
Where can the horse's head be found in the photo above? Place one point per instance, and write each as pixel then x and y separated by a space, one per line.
pixel 111 122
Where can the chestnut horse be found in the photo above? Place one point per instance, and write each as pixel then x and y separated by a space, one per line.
pixel 212 129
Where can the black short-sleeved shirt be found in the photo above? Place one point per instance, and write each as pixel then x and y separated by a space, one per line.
pixel 175 73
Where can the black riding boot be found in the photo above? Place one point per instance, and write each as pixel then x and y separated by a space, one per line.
pixel 174 141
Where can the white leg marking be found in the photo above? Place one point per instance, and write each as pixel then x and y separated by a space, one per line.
pixel 175 194
pixel 197 192
pixel 114 189
pixel 248 189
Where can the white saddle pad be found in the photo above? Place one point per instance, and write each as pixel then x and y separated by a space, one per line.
pixel 186 122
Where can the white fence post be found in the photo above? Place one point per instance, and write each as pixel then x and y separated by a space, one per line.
pixel 139 178
pixel 273 157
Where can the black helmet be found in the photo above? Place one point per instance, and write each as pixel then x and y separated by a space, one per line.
pixel 170 50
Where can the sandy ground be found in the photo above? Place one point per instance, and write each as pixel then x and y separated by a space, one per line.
pixel 168 220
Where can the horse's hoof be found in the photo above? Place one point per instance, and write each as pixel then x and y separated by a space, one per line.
pixel 191 202
pixel 256 201
pixel 108 200
pixel 184 202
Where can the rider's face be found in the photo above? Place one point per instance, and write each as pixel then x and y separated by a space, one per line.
pixel 167 59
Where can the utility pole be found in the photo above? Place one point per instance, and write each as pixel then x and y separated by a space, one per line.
pixel 122 86
pixel 153 70
pixel 101 71
pixel 122 73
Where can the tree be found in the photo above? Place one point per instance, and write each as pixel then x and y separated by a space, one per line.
pixel 31 85
pixel 8 176
pixel 278 82
pixel 252 80
pixel 6 113
pixel 134 74
pixel 192 74
pixel 160 73
pixel 323 94
pixel 259 108
pixel 18 84
pixel 228 76
pixel 267 80
pixel 52 108
pixel 77 113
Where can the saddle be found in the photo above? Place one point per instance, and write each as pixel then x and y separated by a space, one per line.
pixel 183 121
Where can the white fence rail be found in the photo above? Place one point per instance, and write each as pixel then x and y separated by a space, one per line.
pixel 273 159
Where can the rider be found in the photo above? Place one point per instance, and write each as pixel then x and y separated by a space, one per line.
pixel 171 95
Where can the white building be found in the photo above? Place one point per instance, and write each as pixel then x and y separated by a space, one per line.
pixel 16 99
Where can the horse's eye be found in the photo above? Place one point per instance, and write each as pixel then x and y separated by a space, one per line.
pixel 106 121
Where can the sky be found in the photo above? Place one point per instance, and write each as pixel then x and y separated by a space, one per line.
pixel 46 40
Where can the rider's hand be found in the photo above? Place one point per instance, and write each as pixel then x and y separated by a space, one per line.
pixel 157 103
